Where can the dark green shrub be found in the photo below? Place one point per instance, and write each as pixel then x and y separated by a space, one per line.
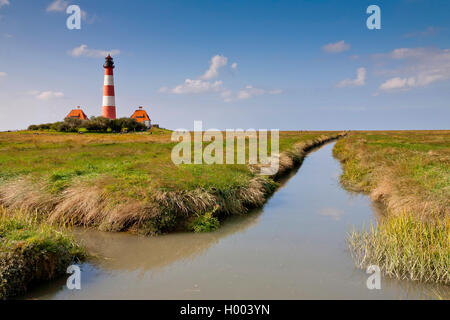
pixel 205 223
pixel 94 124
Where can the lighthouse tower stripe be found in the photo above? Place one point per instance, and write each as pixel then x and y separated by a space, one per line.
pixel 109 112
pixel 108 91
pixel 109 101
pixel 109 72
pixel 109 80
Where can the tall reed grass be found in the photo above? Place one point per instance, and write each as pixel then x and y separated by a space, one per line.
pixel 405 247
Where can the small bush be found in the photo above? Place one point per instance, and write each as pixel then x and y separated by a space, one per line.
pixel 164 222
pixel 205 222
pixel 33 127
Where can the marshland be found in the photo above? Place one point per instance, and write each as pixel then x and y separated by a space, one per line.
pixel 409 173
pixel 88 187
pixel 115 182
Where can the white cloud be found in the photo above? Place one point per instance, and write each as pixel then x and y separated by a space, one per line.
pixel 404 53
pixel 3 75
pixel 46 95
pixel 83 15
pixel 430 31
pixel 337 47
pixel 83 50
pixel 227 95
pixel 4 3
pixel 215 64
pixel 250 92
pixel 194 86
pixel 57 6
pixel 420 67
pixel 199 86
pixel 359 81
pixel 204 84
pixel 397 83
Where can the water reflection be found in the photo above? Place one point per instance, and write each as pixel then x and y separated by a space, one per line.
pixel 112 250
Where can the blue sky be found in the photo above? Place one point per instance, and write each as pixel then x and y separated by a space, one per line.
pixel 233 64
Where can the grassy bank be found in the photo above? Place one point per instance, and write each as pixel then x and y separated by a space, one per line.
pixel 31 252
pixel 406 170
pixel 409 172
pixel 128 182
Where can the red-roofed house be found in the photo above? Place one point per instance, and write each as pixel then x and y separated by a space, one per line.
pixel 77 114
pixel 142 116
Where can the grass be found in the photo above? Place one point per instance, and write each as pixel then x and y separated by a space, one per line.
pixel 124 182
pixel 406 170
pixel 409 172
pixel 31 251
pixel 405 248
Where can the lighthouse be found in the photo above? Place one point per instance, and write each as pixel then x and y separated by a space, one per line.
pixel 109 100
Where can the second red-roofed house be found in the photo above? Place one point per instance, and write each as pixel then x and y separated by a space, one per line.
pixel 141 115
pixel 77 114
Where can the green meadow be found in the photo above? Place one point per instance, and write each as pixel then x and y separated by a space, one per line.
pixel 121 182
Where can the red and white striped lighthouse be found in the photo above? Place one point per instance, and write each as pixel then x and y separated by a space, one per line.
pixel 109 99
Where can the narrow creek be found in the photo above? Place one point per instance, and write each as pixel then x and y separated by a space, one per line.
pixel 293 248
